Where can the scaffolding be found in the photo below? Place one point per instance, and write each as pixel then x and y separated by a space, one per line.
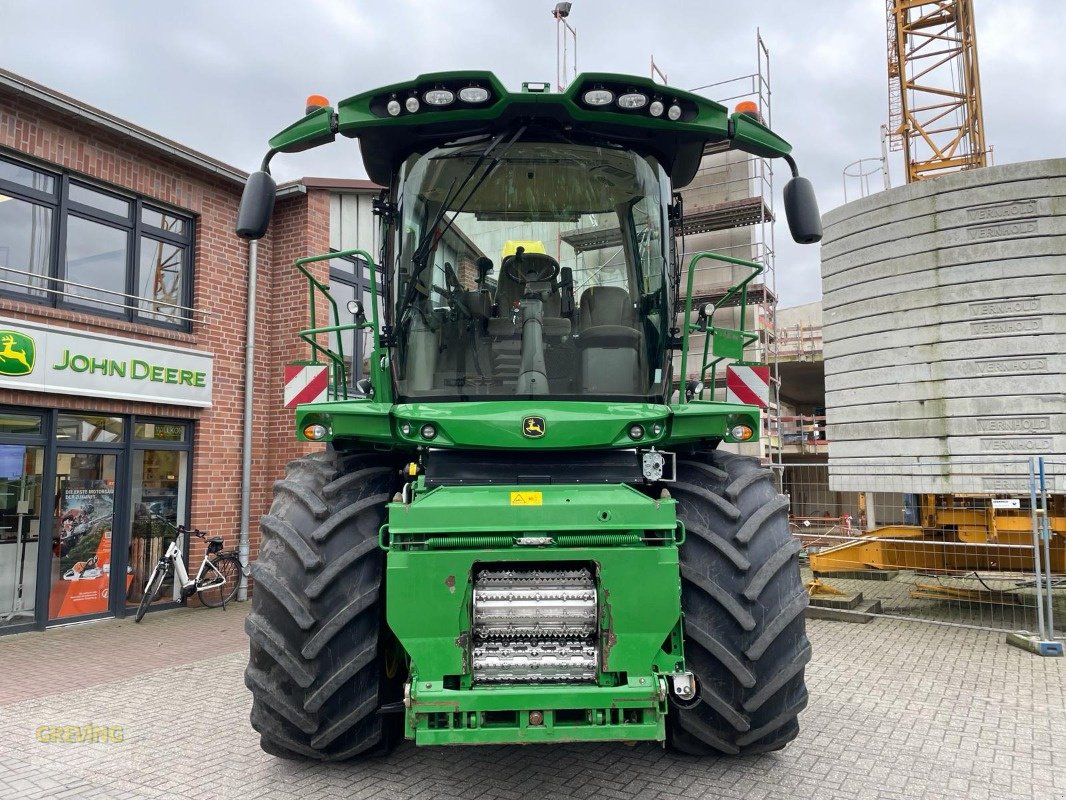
pixel 729 208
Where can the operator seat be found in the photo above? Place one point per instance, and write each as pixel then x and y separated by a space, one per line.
pixel 610 343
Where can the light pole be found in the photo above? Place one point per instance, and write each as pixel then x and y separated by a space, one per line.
pixel 563 33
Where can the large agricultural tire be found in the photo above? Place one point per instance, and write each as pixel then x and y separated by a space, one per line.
pixel 319 645
pixel 743 602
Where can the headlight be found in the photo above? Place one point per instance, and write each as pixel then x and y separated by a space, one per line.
pixel 428 431
pixel 405 429
pixel 741 432
pixel 674 113
pixel 439 97
pixel 633 100
pixel 412 104
pixel 315 432
pixel 636 431
pixel 656 108
pixel 473 94
pixel 598 97
pixel 393 108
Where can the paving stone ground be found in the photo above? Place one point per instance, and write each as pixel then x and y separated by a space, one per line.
pixel 898 710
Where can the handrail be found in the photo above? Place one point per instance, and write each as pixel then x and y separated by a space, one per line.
pixel 48 279
pixel 804 429
pixel 339 389
pixel 733 291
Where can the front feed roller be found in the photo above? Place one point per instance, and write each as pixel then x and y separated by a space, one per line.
pixel 534 626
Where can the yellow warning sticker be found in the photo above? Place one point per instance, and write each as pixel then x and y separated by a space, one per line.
pixel 527 499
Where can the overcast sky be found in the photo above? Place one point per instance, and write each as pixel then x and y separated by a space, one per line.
pixel 222 77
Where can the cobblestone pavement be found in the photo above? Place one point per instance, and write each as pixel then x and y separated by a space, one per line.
pixel 898 710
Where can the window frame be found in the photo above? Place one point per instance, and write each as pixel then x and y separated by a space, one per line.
pixel 357 276
pixel 136 230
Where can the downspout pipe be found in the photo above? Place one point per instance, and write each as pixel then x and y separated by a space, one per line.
pixel 246 447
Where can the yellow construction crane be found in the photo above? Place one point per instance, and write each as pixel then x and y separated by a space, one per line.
pixel 934 87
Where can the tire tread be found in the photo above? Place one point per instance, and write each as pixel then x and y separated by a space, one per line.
pixel 316 627
pixel 743 602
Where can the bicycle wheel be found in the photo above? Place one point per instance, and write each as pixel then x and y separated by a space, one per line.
pixel 229 567
pixel 151 590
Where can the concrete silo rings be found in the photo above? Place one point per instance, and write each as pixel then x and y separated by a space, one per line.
pixel 945 326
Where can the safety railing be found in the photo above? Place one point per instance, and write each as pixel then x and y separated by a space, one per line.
pixel 799 342
pixel 338 389
pixel 804 432
pixel 876 545
pixel 38 285
pixel 719 343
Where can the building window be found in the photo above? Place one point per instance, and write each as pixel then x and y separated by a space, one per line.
pixel 349 279
pixel 68 244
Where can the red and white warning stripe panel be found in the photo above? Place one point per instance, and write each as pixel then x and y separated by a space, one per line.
pixel 306 384
pixel 748 385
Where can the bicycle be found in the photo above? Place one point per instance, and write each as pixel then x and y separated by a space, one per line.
pixel 216 581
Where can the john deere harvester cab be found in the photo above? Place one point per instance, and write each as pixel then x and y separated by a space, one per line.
pixel 522 528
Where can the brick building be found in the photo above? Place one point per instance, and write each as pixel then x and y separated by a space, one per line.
pixel 123 310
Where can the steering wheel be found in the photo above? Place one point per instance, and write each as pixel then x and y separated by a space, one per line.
pixel 525 267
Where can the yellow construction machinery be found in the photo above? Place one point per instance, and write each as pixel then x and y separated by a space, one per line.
pixel 1001 539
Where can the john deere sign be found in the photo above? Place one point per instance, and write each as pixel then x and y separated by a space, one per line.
pixel 43 358
pixel 17 354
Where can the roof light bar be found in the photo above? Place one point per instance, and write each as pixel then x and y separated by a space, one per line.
pixel 474 94
pixel 598 97
pixel 439 97
pixel 632 100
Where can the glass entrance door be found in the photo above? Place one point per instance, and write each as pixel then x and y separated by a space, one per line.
pixel 159 494
pixel 82 534
pixel 21 471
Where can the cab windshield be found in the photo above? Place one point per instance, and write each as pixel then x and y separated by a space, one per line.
pixel 492 236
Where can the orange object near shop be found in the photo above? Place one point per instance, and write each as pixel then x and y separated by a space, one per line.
pixel 77 595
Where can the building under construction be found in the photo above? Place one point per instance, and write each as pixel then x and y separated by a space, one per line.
pixel 729 209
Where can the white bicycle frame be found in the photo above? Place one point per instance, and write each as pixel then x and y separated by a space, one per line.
pixel 173 555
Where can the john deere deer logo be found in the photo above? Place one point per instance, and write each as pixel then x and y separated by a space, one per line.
pixel 533 427
pixel 17 353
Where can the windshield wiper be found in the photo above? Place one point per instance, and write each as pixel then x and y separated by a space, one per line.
pixel 420 257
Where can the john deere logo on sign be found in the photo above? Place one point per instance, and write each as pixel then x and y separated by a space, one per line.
pixel 533 427
pixel 17 353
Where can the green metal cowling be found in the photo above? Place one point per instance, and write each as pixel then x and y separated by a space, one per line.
pixel 385 140
pixel 497 424
pixel 639 591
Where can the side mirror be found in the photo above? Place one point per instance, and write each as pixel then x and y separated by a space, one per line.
pixel 364 387
pixel 801 209
pixel 257 204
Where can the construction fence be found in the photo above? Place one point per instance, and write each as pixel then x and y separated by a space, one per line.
pixel 972 558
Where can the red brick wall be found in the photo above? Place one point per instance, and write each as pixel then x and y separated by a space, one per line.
pixel 301 227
